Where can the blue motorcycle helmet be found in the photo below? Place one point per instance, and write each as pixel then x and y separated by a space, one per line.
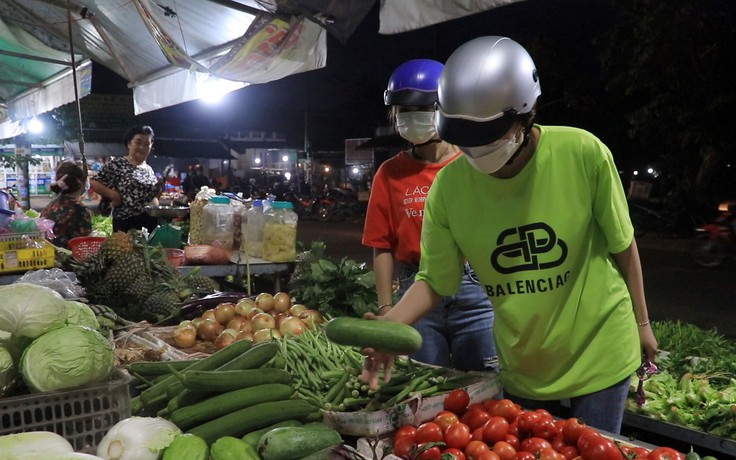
pixel 414 83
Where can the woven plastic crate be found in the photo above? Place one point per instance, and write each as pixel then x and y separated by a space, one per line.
pixel 82 416
pixel 15 255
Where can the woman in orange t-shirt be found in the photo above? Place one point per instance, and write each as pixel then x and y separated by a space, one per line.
pixel 458 333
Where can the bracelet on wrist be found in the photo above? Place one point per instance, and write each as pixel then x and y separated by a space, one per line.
pixel 384 305
pixel 645 323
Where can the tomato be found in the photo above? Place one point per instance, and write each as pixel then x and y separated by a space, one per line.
pixel 665 453
pixel 457 435
pixel 446 418
pixel 429 453
pixel 429 432
pixel 514 427
pixel 527 420
pixel 476 418
pixel 403 446
pixel 495 429
pixel 558 443
pixel 586 436
pixel 490 455
pixel 475 449
pixel 524 456
pixel 504 450
pixel 457 401
pixel 601 448
pixel 477 434
pixel 406 431
pixel 490 404
pixel 569 452
pixel 544 414
pixel 571 430
pixel 545 429
pixel 534 444
pixel 637 452
pixel 507 409
pixel 456 454
pixel 476 406
pixel 513 440
pixel 549 453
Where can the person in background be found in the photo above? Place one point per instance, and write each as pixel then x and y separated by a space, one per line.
pixel 70 216
pixel 458 331
pixel 195 180
pixel 130 183
pixel 542 216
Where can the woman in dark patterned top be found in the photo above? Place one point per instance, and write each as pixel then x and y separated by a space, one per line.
pixel 130 183
pixel 71 217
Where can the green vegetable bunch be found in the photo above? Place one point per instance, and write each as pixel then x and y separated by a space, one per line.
pixel 696 385
pixel 345 288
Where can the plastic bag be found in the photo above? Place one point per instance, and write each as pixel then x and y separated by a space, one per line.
pixel 65 283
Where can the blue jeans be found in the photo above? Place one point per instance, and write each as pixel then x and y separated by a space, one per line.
pixel 603 409
pixel 458 332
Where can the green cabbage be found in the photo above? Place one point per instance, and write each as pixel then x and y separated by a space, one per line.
pixel 30 310
pixel 79 314
pixel 7 371
pixel 68 357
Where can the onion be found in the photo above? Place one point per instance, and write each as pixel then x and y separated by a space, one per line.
pixel 244 305
pixel 264 301
pixel 208 314
pixel 225 338
pixel 187 323
pixel 265 335
pixel 224 312
pixel 262 321
pixel 209 329
pixel 297 309
pixel 281 302
pixel 185 337
pixel 238 323
pixel 312 318
pixel 245 335
pixel 253 312
pixel 291 325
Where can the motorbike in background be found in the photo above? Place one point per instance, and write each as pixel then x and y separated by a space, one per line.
pixel 715 241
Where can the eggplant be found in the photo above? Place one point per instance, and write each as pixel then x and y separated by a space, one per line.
pixel 194 308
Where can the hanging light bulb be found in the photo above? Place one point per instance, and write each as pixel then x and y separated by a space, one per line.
pixel 35 126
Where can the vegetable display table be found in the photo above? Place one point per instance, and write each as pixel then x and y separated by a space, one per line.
pixel 680 433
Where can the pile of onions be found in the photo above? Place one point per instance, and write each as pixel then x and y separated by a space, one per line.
pixel 260 319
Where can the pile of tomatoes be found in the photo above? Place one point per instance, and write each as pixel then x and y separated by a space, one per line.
pixel 499 429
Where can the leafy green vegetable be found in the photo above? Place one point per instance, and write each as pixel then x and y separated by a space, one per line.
pixel 696 386
pixel 345 288
pixel 102 224
pixel 68 357
pixel 79 314
pixel 30 310
pixel 7 371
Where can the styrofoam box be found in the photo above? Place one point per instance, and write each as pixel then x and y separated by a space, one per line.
pixel 413 411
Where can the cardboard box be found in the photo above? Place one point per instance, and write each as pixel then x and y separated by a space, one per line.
pixel 413 411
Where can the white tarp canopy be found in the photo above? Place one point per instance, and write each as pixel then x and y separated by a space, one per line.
pixel 165 49
pixel 170 50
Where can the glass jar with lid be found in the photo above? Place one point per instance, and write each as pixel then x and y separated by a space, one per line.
pixel 253 230
pixel 196 213
pixel 279 232
pixel 217 217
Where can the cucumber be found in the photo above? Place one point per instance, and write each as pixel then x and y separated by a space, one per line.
pixel 385 336
pixel 187 447
pixel 233 380
pixel 225 403
pixel 293 443
pixel 254 358
pixel 215 360
pixel 252 418
pixel 156 368
pixel 253 437
pixel 230 448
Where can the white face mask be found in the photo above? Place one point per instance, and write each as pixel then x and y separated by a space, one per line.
pixel 416 127
pixel 491 157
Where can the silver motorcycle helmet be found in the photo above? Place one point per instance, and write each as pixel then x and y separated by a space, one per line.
pixel 485 85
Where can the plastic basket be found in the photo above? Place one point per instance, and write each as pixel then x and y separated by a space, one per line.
pixel 15 255
pixel 82 416
pixel 85 246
